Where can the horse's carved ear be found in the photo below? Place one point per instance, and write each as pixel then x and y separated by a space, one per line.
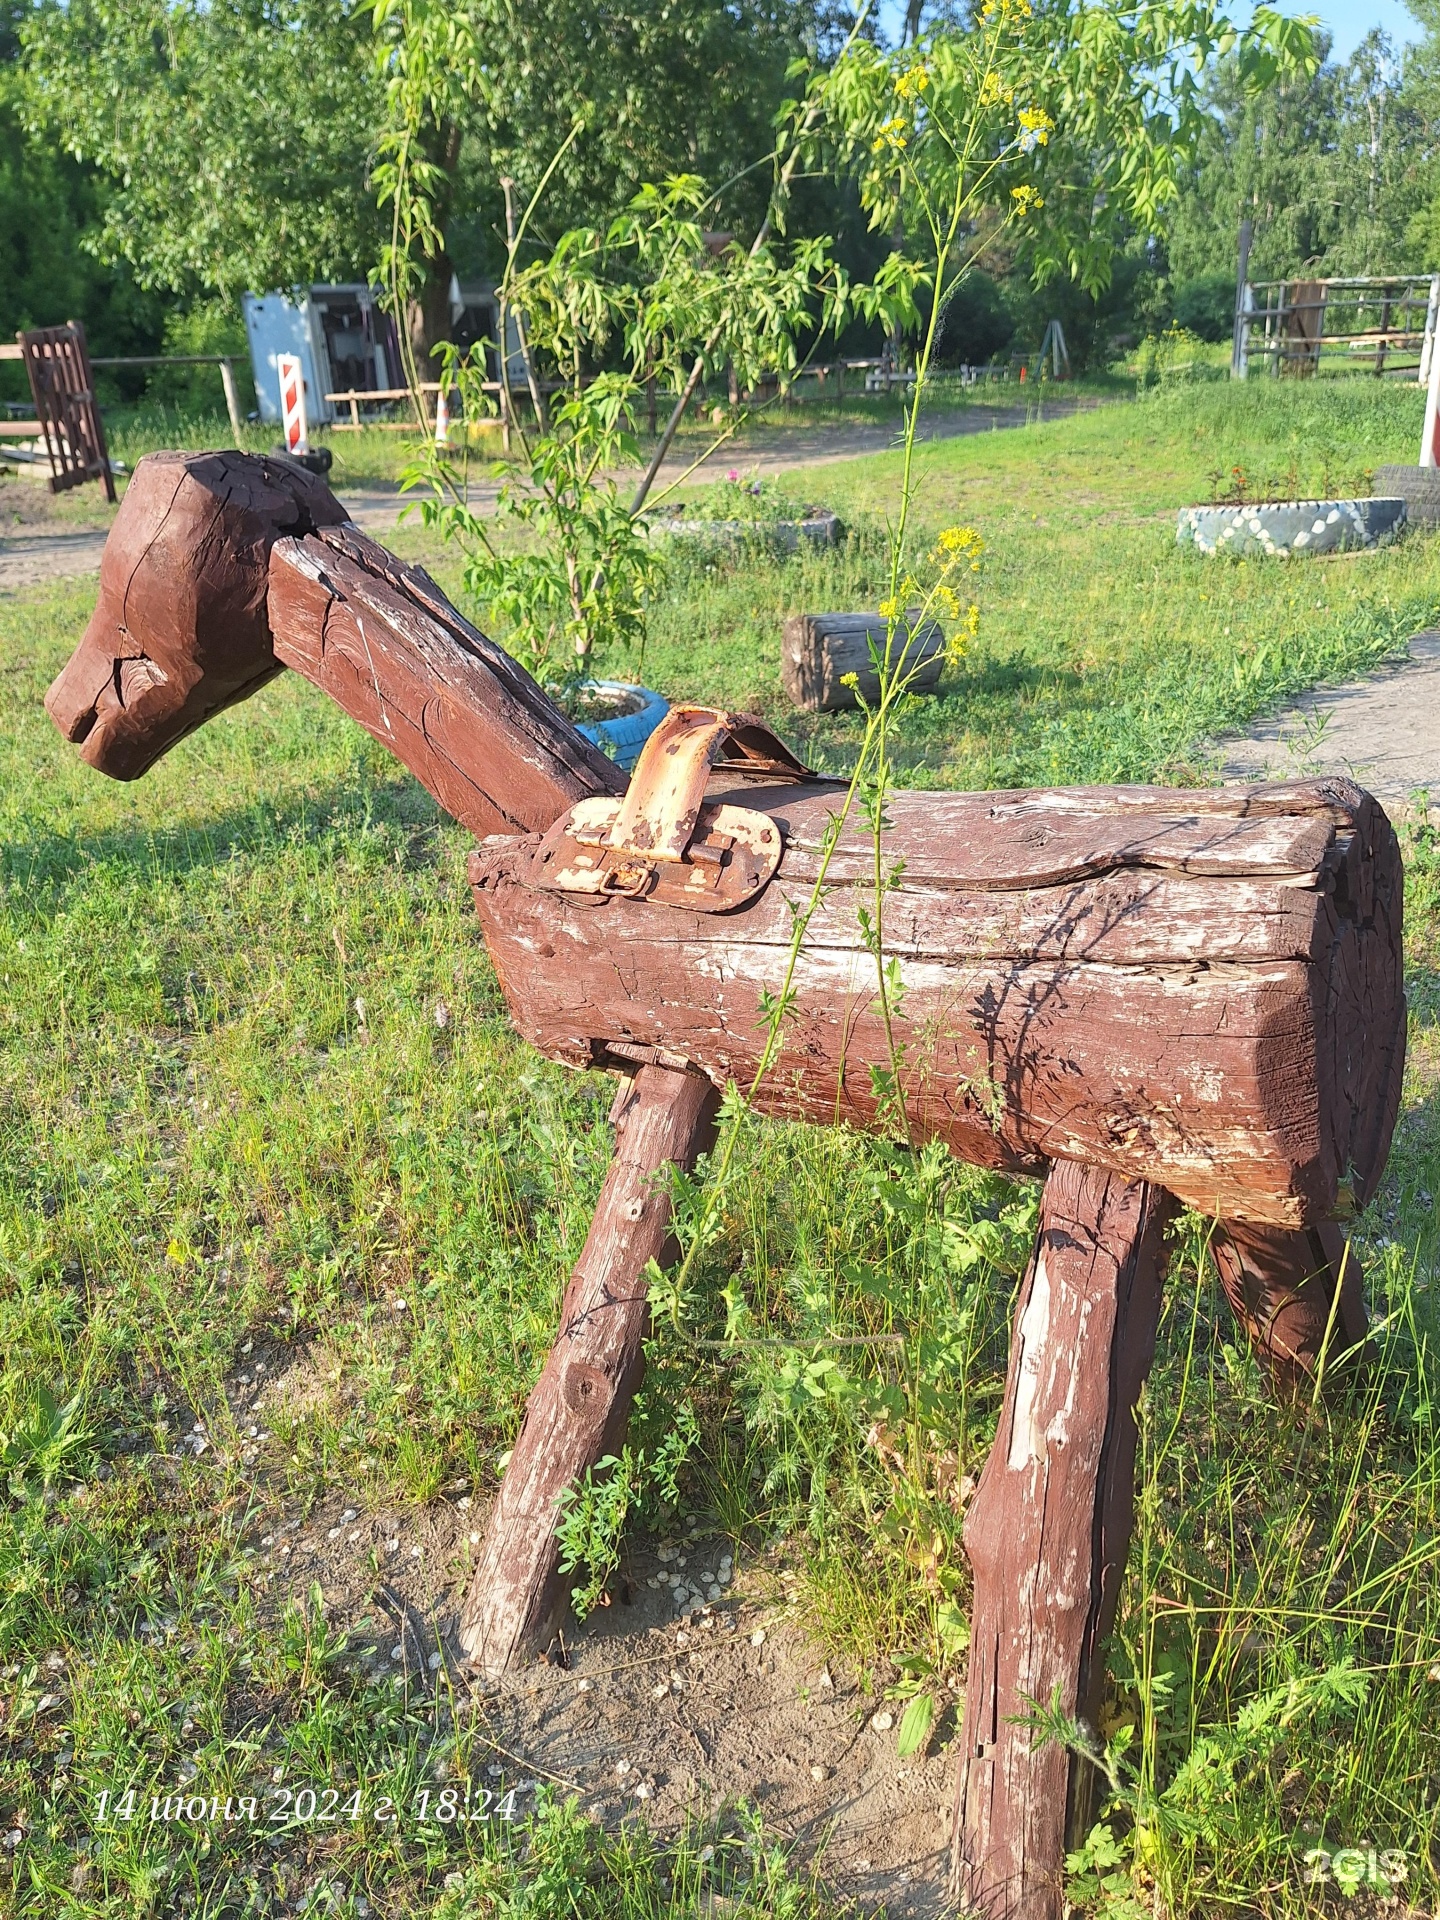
pixel 181 627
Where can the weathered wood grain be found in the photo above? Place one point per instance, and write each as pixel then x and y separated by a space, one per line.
pixel 1299 1295
pixel 578 1409
pixel 180 630
pixel 473 727
pixel 819 650
pixel 1198 991
pixel 1235 1035
pixel 1049 1529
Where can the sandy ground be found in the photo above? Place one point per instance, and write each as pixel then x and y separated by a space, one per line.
pixel 1384 731
pixel 698 1686
pixel 378 508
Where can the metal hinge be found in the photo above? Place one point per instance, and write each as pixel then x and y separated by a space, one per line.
pixel 662 840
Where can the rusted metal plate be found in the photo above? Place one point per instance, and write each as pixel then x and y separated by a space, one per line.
pixel 731 853
pixel 663 841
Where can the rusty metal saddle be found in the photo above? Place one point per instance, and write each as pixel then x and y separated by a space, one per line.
pixel 662 840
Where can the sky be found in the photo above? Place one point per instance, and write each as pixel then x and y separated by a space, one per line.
pixel 1348 20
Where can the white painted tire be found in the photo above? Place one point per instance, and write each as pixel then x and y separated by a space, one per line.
pixel 1281 529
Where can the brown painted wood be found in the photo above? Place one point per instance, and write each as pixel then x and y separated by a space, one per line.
pixel 1196 990
pixel 223 567
pixel 180 629
pixel 63 389
pixel 1204 990
pixel 1282 1284
pixel 820 650
pixel 578 1410
pixel 472 726
pixel 1049 1528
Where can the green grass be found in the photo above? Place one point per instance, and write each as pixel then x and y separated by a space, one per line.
pixel 257 1086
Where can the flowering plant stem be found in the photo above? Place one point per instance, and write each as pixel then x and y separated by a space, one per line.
pixel 908 606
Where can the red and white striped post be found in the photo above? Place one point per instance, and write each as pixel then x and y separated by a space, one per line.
pixel 1430 435
pixel 294 427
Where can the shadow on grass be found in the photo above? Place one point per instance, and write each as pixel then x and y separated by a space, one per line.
pixel 47 868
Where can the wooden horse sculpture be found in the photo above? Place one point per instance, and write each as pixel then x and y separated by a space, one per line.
pixel 1149 997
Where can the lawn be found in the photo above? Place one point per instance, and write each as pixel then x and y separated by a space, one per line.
pixel 285 1212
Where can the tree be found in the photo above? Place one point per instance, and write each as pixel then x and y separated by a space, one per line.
pixel 691 87
pixel 240 139
pixel 1329 167
pixel 235 135
pixel 49 205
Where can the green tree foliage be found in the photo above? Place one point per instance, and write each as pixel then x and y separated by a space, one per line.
pixel 1090 111
pixel 1333 168
pixel 1409 141
pixel 239 137
pixel 691 86
pixel 48 203
pixel 1095 106
pixel 234 135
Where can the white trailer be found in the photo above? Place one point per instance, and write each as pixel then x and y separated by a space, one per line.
pixel 340 334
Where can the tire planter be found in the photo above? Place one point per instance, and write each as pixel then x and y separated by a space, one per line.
pixel 1282 528
pixel 639 710
pixel 1418 487
pixel 786 536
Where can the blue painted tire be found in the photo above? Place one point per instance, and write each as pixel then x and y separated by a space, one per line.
pixel 624 736
pixel 1282 528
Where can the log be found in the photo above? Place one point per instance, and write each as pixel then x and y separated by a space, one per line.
pixel 1200 989
pixel 578 1410
pixel 472 726
pixel 819 650
pixel 1282 1284
pixel 1048 1532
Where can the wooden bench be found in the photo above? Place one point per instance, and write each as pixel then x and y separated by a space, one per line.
pixel 1149 997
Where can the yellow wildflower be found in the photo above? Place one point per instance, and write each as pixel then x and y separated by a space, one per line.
pixel 890 608
pixel 1036 127
pixel 913 82
pixel 994 92
pixel 891 135
pixel 959 546
pixel 1026 199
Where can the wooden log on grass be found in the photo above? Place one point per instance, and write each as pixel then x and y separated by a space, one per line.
pixel 1048 1531
pixel 819 651
pixel 1199 989
pixel 578 1409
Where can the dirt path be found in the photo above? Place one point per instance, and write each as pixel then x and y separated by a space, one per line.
pixel 1384 731
pixel 376 508
pixel 44 539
